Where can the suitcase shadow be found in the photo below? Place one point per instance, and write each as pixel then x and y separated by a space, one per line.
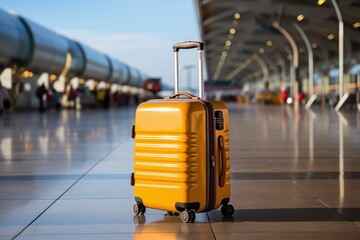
pixel 288 215
pixel 141 220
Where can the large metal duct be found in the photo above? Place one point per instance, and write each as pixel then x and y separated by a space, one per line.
pixel 77 66
pixel 97 65
pixel 119 72
pixel 15 46
pixel 135 79
pixel 47 47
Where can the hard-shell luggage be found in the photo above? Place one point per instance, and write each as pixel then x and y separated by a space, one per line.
pixel 181 152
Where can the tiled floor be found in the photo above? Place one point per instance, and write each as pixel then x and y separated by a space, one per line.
pixel 294 176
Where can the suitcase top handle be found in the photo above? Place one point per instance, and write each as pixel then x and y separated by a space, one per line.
pixel 187 45
pixel 189 95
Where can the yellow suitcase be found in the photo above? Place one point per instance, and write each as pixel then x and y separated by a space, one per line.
pixel 181 152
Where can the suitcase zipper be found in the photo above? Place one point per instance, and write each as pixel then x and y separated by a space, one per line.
pixel 210 156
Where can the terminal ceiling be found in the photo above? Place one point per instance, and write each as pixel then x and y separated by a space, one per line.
pixel 236 32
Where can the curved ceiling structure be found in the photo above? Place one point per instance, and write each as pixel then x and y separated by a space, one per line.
pixel 236 31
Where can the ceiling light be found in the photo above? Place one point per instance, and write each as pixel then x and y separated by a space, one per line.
pixel 237 16
pixel 261 50
pixel 269 43
pixel 300 17
pixel 321 2
pixel 224 53
pixel 232 31
pixel 330 37
pixel 228 43
pixel 356 25
pixel 314 45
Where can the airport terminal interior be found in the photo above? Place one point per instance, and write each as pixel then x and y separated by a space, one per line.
pixel 290 82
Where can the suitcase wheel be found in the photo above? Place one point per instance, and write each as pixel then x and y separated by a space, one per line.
pixel 188 216
pixel 139 209
pixel 227 210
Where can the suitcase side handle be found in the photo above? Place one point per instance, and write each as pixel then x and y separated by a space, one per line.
pixel 187 45
pixel 222 165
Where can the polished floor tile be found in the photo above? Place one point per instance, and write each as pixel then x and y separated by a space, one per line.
pixel 29 188
pixel 66 175
pixel 309 226
pixel 95 216
pixel 281 202
pixel 324 164
pixel 331 188
pixel 124 236
pixel 101 186
pixel 17 214
pixel 287 236
pixel 339 202
pixel 266 188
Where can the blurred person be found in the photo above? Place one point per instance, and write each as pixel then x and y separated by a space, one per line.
pixel 1 100
pixel 40 91
pixel 52 99
pixel 71 95
pixel 284 96
pixel 5 103
pixel 116 99
pixel 301 97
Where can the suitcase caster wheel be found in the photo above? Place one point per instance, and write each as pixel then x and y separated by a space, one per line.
pixel 227 210
pixel 139 209
pixel 188 216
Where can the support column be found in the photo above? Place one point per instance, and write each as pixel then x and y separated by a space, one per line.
pixel 310 65
pixel 295 62
pixel 281 63
pixel 324 86
pixel 264 69
pixel 357 91
pixel 341 55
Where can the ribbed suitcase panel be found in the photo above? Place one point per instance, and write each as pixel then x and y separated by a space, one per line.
pixel 169 154
pixel 172 158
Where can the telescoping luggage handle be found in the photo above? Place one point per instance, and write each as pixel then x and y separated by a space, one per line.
pixel 188 45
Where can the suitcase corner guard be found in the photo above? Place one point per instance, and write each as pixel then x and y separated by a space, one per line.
pixel 139 200
pixel 225 201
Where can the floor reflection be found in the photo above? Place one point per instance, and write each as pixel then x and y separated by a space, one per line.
pixel 67 174
pixel 64 133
